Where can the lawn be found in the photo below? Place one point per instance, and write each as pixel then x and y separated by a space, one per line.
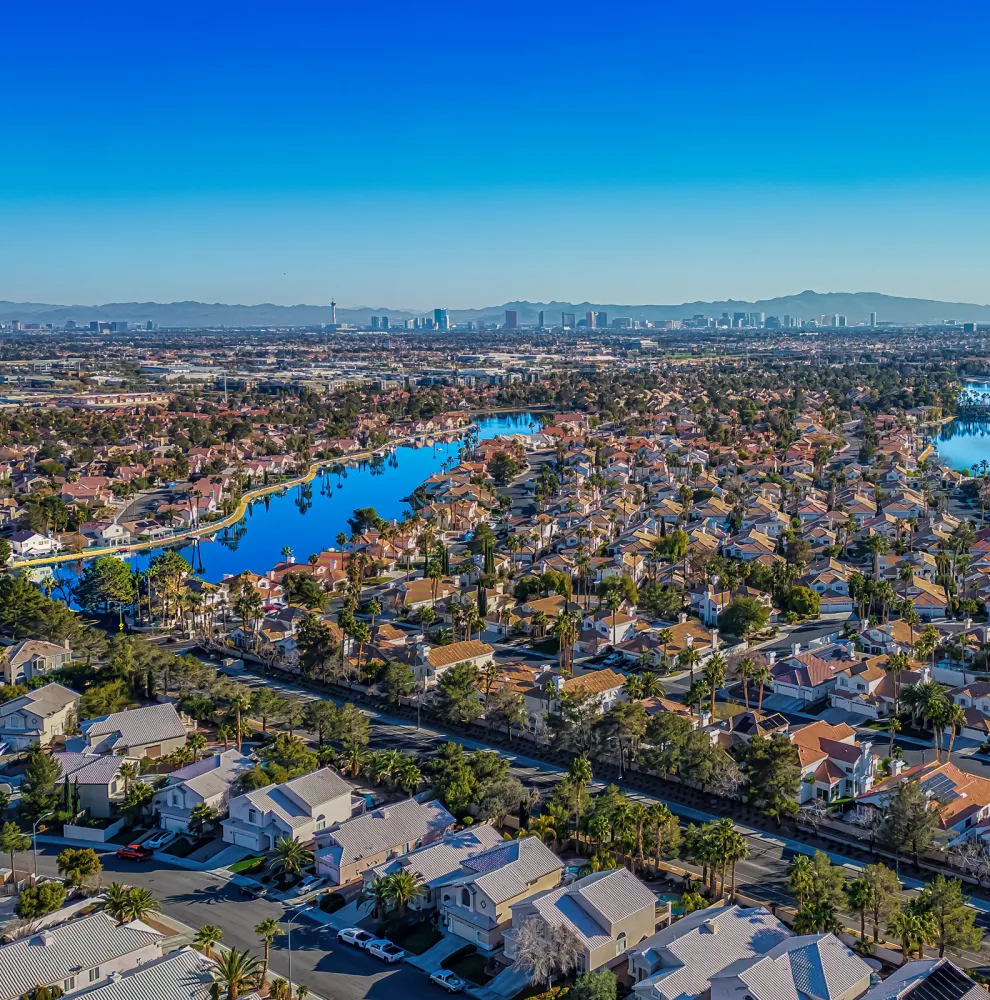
pixel 246 865
pixel 727 709
pixel 184 846
pixel 469 965
pixel 416 937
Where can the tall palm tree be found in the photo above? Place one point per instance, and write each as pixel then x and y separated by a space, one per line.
pixel 747 671
pixel 235 971
pixel 402 888
pixel 377 894
pixel 955 719
pixel 652 686
pixel 762 677
pixel 579 776
pixel 206 938
pixel 715 676
pixel 290 857
pixel 267 930
pixel 860 895
pixel 239 703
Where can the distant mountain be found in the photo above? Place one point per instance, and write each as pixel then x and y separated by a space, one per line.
pixel 855 306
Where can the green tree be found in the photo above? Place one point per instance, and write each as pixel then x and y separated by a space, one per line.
pixel 38 900
pixel 289 857
pixel 402 888
pixel 942 899
pixel 910 819
pixel 106 583
pixel 235 971
pixel 820 890
pixel 207 938
pixel 773 768
pixel 597 985
pixel 458 693
pixel 267 930
pixel 398 681
pixel 885 895
pixel 743 616
pixel 78 864
pixel 39 794
pixel 13 841
pixel 318 647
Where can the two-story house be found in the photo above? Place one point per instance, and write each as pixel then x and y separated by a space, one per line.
pixel 97 780
pixel 297 809
pixel 345 852
pixel 152 731
pixel 207 781
pixel 607 913
pixel 833 763
pixel 38 716
pixel 30 658
pixel 477 903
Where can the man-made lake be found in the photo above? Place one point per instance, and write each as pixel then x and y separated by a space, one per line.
pixel 308 518
pixel 964 442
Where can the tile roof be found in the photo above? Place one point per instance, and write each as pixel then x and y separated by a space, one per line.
pixel 51 956
pixel 45 701
pixel 455 652
pixel 509 869
pixel 90 769
pixel 136 726
pixel 439 862
pixel 594 682
pixel 385 828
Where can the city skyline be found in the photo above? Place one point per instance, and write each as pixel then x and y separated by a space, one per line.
pixel 442 155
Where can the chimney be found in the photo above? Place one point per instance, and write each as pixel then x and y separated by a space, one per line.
pixel 771 658
pixel 714 639
pixel 896 766
pixel 795 648
pixel 682 619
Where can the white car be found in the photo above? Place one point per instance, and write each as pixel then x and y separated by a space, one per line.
pixel 308 884
pixel 356 936
pixel 384 949
pixel 159 840
pixel 448 981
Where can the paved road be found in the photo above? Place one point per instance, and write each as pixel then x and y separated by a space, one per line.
pixel 330 969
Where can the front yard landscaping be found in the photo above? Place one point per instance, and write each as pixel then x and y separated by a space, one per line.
pixel 468 964
pixel 416 936
pixel 247 865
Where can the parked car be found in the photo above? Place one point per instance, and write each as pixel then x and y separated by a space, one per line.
pixel 385 950
pixel 249 887
pixel 356 936
pixel 310 884
pixel 135 852
pixel 448 981
pixel 159 840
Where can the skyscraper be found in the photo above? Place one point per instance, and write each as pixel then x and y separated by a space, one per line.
pixel 441 320
pixel 873 319
pixel 567 320
pixel 333 312
pixel 591 319
pixel 601 320
pixel 376 323
pixel 539 325
pixel 511 319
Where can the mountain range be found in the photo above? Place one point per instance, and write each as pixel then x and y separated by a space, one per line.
pixel 855 306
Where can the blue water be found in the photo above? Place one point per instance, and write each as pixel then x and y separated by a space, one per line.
pixel 963 442
pixel 308 518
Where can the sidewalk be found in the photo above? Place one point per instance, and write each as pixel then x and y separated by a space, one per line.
pixel 431 959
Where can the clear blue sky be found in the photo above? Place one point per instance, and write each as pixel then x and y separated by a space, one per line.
pixel 406 155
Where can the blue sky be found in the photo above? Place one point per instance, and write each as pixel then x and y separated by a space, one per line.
pixel 407 155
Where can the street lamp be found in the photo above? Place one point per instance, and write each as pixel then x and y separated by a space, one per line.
pixel 288 935
pixel 34 838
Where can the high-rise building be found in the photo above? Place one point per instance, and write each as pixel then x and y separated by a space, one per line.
pixel 591 319
pixel 539 325
pixel 601 320
pixel 119 326
pixel 787 321
pixel 841 320
pixel 511 319
pixel 94 325
pixel 739 320
pixel 333 312
pixel 873 319
pixel 567 320
pixel 376 323
pixel 384 322
pixel 441 320
pixel 757 319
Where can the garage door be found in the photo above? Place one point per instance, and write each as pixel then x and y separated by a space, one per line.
pixel 244 840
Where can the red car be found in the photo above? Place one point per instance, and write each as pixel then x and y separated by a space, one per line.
pixel 135 852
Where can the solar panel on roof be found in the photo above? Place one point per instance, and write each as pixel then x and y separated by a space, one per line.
pixel 941 786
pixel 944 983
pixel 488 862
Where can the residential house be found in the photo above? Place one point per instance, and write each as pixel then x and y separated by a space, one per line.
pixel 152 731
pixel 97 780
pixel 432 661
pixel 811 675
pixel 607 913
pixel 29 544
pixel 476 904
pixel 30 658
pixel 833 763
pixel 927 979
pixel 207 781
pixel 38 716
pixel 680 961
pixel 297 809
pixel 814 965
pixel 602 686
pixel 345 852
pixel 85 952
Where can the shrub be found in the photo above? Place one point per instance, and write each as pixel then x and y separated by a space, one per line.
pixel 331 902
pixel 39 900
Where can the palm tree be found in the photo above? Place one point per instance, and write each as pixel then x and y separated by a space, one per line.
pixel 542 827
pixel 579 775
pixel 267 930
pixel 762 677
pixel 660 817
pixel 893 727
pixel 225 733
pixel 402 888
pixel 860 895
pixel 206 938
pixel 376 893
pixel 137 905
pixel 696 694
pixel 652 686
pixel 239 703
pixel 897 665
pixel 290 857
pixel 13 841
pixel 688 657
pixel 129 772
pixel 911 930
pixel 115 895
pixel 715 676
pixel 196 742
pixel 747 670
pixel 235 971
pixel 955 719
pixel 664 637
